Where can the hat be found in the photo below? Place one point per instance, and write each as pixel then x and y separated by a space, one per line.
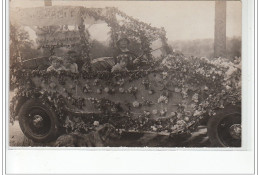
pixel 122 38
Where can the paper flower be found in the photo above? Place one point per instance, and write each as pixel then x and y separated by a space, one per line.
pixel 113 90
pixel 181 123
pixel 227 87
pixel 195 98
pixel 177 90
pixel 163 112
pixel 120 82
pixel 132 90
pixel 96 81
pixel 146 83
pixel 179 115
pixel 147 113
pixel 153 128
pixel 106 89
pixel 197 113
pixel 150 92
pixel 154 112
pixel 53 85
pixel 162 99
pixel 86 88
pixel 165 74
pixel 184 92
pixel 114 109
pixel 172 114
pixel 136 104
pixel 96 123
pixel 121 90
pixel 186 119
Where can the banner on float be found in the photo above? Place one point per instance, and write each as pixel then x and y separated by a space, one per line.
pixel 46 16
pixel 59 38
pixel 51 16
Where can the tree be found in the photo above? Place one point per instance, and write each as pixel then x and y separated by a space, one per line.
pixel 21 46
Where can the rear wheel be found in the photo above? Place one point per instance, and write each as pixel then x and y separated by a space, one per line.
pixel 224 129
pixel 38 121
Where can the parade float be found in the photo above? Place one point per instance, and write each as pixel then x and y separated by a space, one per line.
pixel 167 94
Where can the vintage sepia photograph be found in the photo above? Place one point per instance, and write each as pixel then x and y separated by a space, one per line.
pixel 125 74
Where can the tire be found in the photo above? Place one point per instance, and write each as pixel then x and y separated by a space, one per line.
pixel 38 121
pixel 221 128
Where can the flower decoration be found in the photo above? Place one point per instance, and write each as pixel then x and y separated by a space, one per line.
pixel 195 98
pixel 163 112
pixel 177 90
pixel 132 90
pixel 146 83
pixel 172 114
pixel 86 88
pixel 150 92
pixel 165 75
pixel 96 81
pixel 219 81
pixel 136 104
pixel 107 90
pixel 155 111
pixel 96 123
pixel 121 82
pixel 147 113
pixel 162 99
pixel 121 90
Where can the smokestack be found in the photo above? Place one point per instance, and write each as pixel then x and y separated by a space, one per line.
pixel 47 3
pixel 220 29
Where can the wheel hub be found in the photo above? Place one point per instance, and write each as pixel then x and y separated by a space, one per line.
pixel 235 131
pixel 37 121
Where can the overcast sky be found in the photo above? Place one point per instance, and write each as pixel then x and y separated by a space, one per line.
pixel 182 20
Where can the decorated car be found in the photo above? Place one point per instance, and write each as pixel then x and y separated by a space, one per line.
pixel 163 93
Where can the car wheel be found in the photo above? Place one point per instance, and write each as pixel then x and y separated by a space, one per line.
pixel 224 130
pixel 38 121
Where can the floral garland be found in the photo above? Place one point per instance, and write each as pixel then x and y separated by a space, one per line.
pixel 130 27
pixel 137 31
pixel 220 80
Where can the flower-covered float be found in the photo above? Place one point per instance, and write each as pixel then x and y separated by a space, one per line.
pixel 167 94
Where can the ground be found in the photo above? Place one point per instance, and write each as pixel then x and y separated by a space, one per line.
pixel 198 138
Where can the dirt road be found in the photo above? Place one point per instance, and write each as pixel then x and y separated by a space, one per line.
pixel 197 139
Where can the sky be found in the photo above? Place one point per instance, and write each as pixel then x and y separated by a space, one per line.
pixel 182 20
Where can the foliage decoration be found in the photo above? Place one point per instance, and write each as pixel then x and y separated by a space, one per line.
pixel 208 84
pixel 211 85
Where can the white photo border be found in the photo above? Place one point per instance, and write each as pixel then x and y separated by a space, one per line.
pixel 142 160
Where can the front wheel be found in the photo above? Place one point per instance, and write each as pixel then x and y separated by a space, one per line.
pixel 38 121
pixel 224 130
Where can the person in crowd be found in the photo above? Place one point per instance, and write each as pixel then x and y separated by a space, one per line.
pixel 131 61
pixel 75 61
pixel 121 65
pixel 70 63
pixel 56 64
pixel 123 52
